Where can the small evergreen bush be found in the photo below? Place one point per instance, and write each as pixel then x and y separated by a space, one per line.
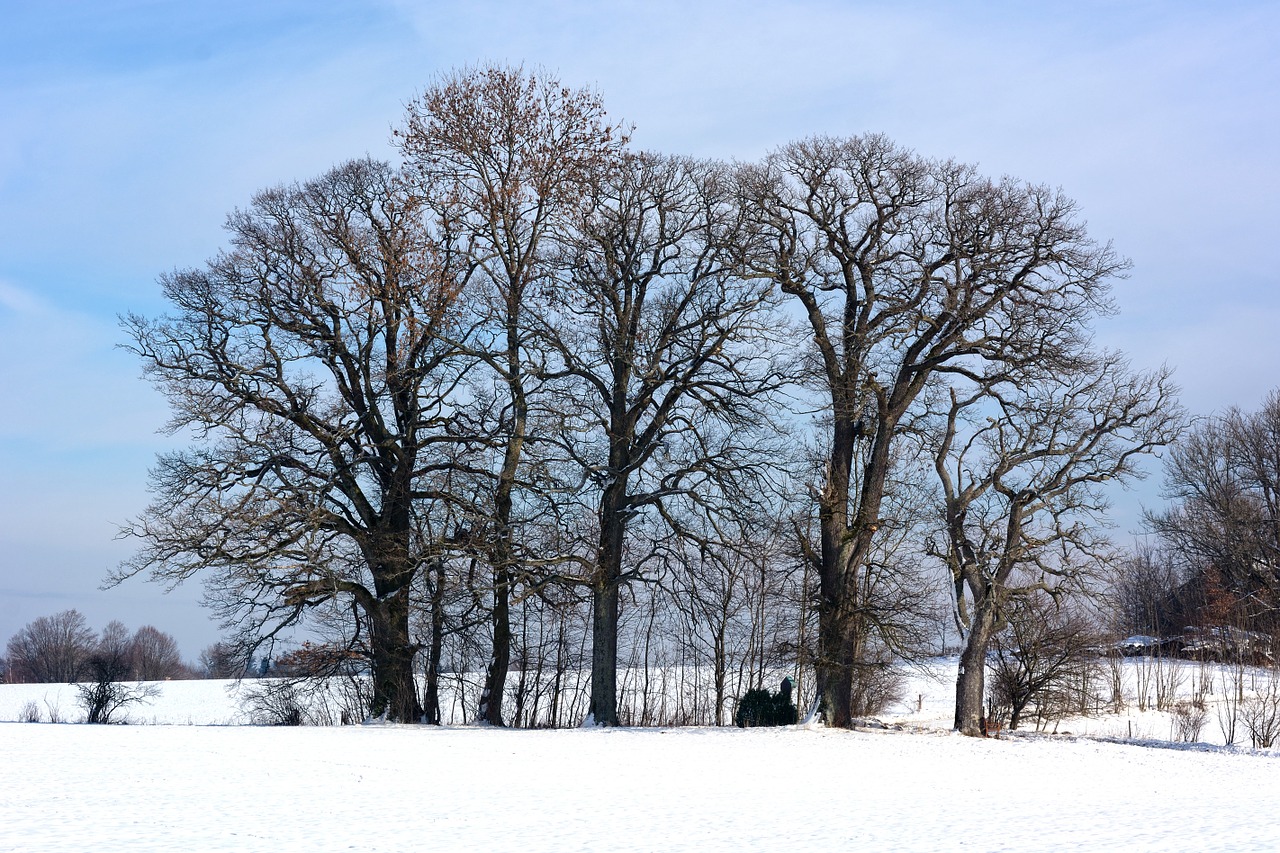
pixel 762 708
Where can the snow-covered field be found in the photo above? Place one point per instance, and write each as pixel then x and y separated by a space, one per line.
pixel 173 786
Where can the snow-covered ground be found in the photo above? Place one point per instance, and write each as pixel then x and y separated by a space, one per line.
pixel 173 786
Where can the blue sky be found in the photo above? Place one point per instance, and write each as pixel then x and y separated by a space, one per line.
pixel 128 130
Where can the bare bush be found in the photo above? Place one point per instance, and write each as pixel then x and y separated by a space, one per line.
pixel 1168 683
pixel 1229 707
pixel 877 684
pixel 1260 713
pixel 30 713
pixel 104 695
pixel 1159 680
pixel 1189 718
pixel 273 702
pixel 1046 659
pixel 336 700
pixel 1115 682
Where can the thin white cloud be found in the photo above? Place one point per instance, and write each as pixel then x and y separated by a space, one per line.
pixel 17 300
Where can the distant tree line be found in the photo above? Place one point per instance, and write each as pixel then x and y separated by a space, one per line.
pixel 62 648
pixel 1212 557
pixel 534 404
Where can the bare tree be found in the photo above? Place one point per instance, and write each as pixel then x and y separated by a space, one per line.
pixel 222 660
pixel 663 355
pixel 1147 593
pixel 501 156
pixel 903 268
pixel 895 610
pixel 1020 464
pixel 51 649
pixel 311 361
pixel 116 644
pixel 103 692
pixel 153 655
pixel 1223 524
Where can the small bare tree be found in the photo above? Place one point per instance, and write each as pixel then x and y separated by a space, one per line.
pixel 1260 710
pixel 105 694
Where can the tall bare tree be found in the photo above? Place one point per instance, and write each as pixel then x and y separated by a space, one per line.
pixel 311 362
pixel 903 268
pixel 1021 465
pixel 503 156
pixel 663 353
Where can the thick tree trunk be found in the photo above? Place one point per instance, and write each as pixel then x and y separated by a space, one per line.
pixel 833 672
pixel 604 655
pixel 846 545
pixel 971 717
pixel 1015 715
pixel 395 689
pixel 833 669
pixel 395 693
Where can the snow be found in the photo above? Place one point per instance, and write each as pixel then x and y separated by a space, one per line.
pixel 911 786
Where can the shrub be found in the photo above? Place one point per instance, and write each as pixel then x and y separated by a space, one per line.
pixel 104 695
pixel 275 702
pixel 762 708
pixel 1189 717
pixel 1261 714
pixel 876 686
pixel 1045 659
